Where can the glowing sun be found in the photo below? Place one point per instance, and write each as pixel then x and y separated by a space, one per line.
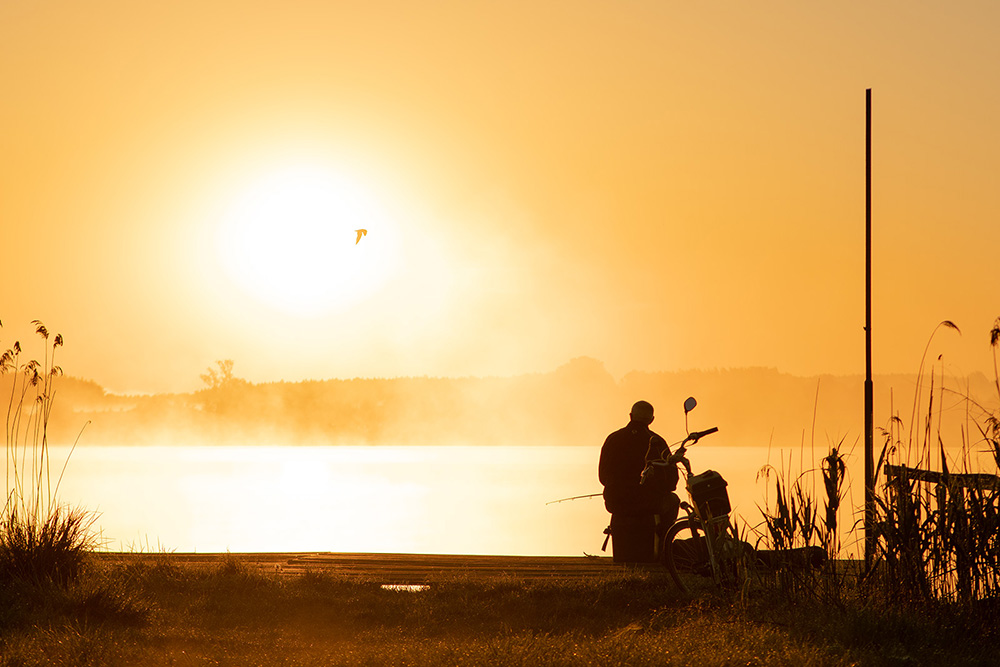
pixel 289 238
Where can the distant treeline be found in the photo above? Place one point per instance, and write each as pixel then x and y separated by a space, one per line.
pixel 577 404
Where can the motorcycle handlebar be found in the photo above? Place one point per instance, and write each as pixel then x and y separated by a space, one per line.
pixel 698 435
pixel 680 455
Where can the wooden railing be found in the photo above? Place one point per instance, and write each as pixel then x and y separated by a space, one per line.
pixel 981 481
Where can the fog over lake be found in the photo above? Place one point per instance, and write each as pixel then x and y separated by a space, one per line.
pixel 427 465
pixel 446 499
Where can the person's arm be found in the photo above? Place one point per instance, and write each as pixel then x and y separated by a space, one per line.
pixel 604 467
pixel 658 448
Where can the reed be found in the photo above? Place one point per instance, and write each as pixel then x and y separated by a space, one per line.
pixel 938 519
pixel 798 527
pixel 939 526
pixel 40 539
pixel 795 520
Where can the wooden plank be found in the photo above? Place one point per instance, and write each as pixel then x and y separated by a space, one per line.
pixel 981 481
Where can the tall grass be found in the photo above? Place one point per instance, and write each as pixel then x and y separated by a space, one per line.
pixel 939 525
pixel 937 520
pixel 802 531
pixel 41 540
pixel 797 519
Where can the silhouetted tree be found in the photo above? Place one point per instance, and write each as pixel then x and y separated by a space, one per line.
pixel 220 376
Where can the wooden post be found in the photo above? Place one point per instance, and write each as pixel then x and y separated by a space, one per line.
pixel 869 390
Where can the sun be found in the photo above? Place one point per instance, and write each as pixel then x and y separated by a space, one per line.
pixel 289 238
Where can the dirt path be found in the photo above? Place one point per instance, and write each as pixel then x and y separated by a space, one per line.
pixel 398 568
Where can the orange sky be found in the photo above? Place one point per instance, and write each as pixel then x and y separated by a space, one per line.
pixel 660 185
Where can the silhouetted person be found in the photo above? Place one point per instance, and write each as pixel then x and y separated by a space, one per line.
pixel 637 506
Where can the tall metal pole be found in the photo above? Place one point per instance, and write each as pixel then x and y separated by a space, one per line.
pixel 869 428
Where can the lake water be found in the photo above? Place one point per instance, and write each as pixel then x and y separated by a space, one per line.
pixel 471 500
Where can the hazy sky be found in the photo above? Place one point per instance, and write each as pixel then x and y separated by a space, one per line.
pixel 658 184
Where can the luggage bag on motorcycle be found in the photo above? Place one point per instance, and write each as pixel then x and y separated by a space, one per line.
pixel 708 491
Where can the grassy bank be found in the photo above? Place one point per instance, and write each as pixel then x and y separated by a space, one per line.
pixel 230 613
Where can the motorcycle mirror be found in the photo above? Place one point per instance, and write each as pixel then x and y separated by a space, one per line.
pixel 689 405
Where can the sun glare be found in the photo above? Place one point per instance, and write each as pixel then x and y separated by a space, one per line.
pixel 290 239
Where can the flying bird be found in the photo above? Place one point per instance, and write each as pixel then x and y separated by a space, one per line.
pixel 361 232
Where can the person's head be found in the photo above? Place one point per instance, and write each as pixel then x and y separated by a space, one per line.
pixel 642 412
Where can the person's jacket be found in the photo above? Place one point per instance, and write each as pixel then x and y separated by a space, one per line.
pixel 623 458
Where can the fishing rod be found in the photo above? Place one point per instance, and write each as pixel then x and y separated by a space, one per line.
pixel 561 500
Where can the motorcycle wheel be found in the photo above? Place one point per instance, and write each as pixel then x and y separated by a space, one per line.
pixel 685 549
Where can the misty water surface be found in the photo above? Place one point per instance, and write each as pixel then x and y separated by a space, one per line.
pixel 474 500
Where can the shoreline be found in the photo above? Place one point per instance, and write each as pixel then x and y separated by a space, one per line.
pixel 392 568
